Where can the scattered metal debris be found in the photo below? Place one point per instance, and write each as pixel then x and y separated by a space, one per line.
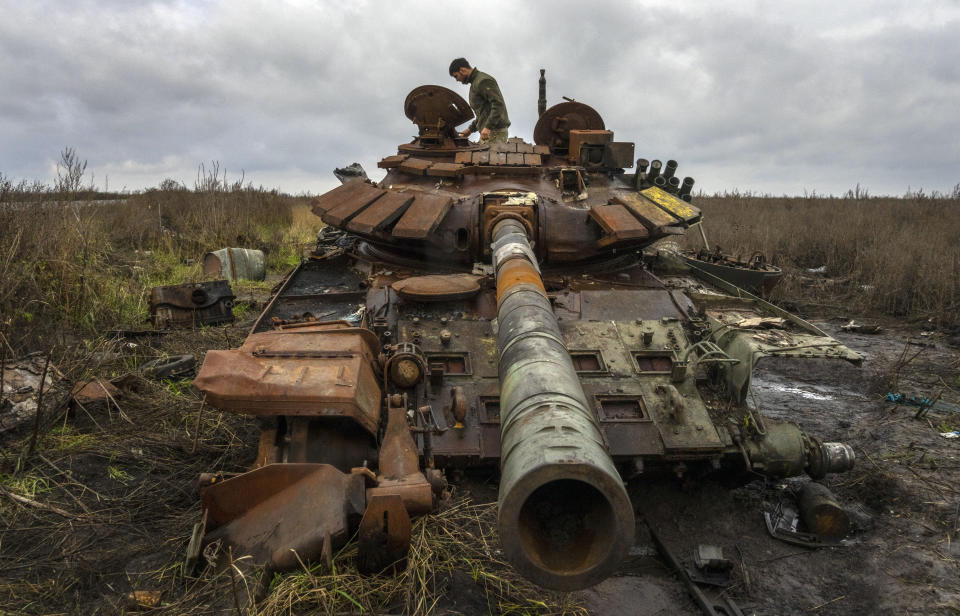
pixel 192 304
pixel 861 328
pixel 174 367
pixel 711 603
pixel 97 391
pixel 351 172
pixel 821 513
pixel 711 568
pixel 20 381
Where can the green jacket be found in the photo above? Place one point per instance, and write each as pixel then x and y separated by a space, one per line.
pixel 487 103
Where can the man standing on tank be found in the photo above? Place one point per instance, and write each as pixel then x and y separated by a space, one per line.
pixel 487 102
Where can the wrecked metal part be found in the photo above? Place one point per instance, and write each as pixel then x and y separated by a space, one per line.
pixel 353 171
pixel 783 523
pixel 754 275
pixel 173 367
pixel 821 513
pixel 20 384
pixel 492 306
pixel 710 567
pixel 709 602
pixel 282 512
pixel 192 304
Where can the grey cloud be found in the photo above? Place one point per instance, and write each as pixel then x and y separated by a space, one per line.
pixel 760 96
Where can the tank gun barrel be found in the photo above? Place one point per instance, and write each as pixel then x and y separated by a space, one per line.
pixel 565 519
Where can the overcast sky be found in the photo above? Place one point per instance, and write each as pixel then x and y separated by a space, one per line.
pixel 777 97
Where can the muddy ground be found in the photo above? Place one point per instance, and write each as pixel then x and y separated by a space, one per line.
pixel 112 506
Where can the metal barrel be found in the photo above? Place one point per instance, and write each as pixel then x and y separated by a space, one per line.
pixel 687 186
pixel 235 264
pixel 565 519
pixel 673 184
pixel 654 170
pixel 642 164
pixel 660 181
pixel 670 169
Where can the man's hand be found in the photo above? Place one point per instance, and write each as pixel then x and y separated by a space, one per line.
pixel 465 132
pixel 484 134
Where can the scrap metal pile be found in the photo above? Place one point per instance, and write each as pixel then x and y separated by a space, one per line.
pixel 498 306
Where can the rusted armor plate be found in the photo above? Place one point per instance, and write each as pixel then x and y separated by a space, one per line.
pixel 329 200
pixel 463 157
pixel 364 196
pixel 481 158
pixel 319 370
pixel 617 223
pixel 381 213
pixel 449 170
pixel 672 205
pixel 438 288
pixel 415 166
pixel 423 216
pixel 532 159
pixel 284 512
pixel 645 210
pixel 392 161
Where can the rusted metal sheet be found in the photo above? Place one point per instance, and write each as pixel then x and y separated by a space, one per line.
pixel 447 170
pixel 532 159
pixel 383 539
pixel 192 304
pixel 362 198
pixel 423 216
pixel 325 369
pixel 340 194
pixel 282 514
pixel 415 166
pixel 463 158
pixel 381 213
pixel 618 224
pixel 392 161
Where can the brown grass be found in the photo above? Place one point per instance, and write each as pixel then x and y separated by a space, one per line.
pixel 892 256
pixel 71 266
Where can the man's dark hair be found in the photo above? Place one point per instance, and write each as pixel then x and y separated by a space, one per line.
pixel 458 64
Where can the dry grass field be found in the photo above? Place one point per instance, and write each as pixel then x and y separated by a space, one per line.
pixel 896 257
pixel 109 508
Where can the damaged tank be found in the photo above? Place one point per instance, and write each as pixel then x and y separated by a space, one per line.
pixel 506 306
